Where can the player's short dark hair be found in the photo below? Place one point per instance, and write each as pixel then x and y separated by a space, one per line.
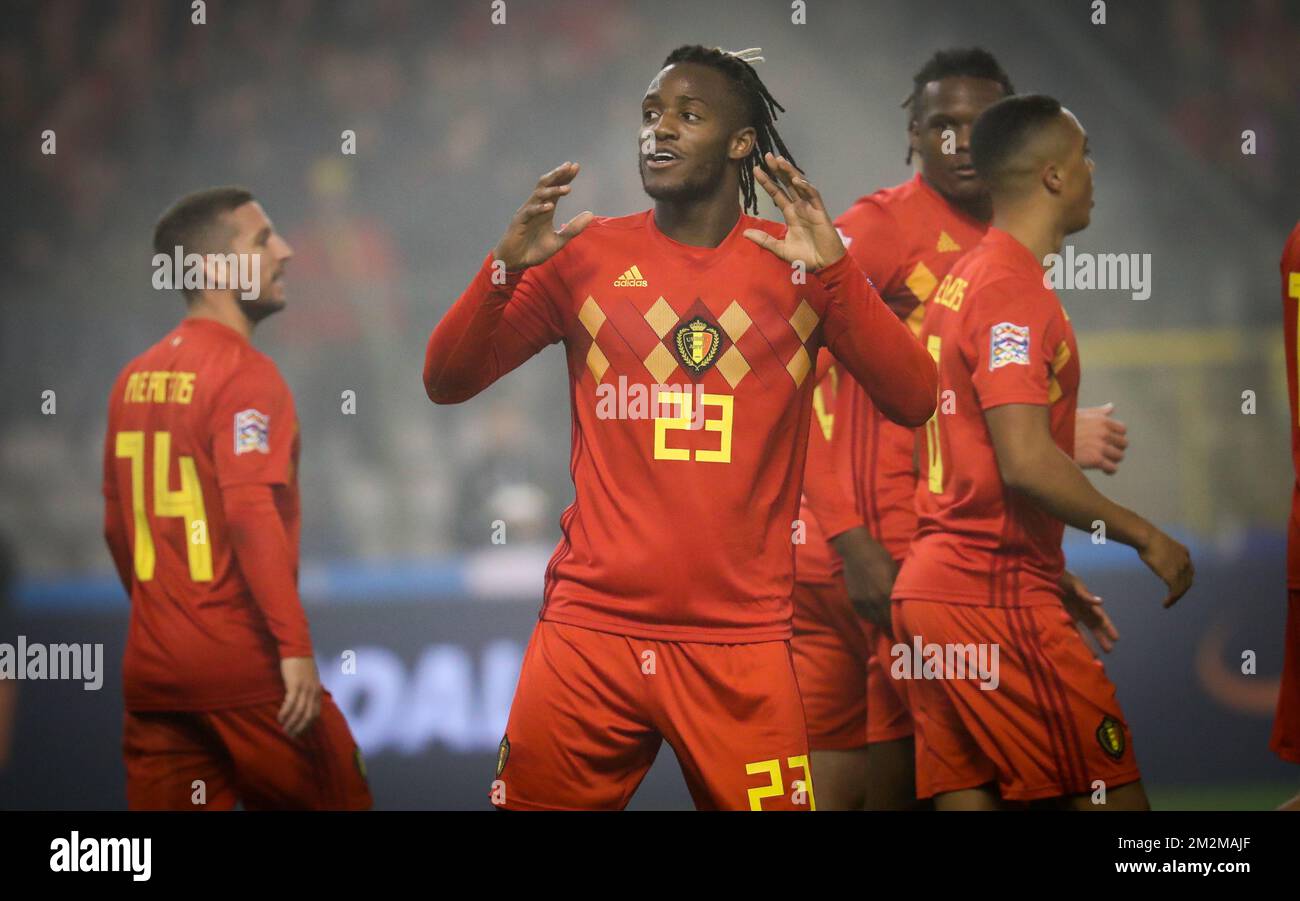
pixel 760 109
pixel 1004 129
pixel 188 222
pixel 955 62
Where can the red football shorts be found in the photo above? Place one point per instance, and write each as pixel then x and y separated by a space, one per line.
pixel 849 699
pixel 592 708
pixel 1050 727
pixel 242 755
pixel 1286 725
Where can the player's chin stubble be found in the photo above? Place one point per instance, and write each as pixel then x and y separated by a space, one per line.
pixel 693 184
pixel 258 309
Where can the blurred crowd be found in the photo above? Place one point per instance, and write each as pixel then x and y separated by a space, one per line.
pixel 448 116
pixel 145 105
pixel 1220 64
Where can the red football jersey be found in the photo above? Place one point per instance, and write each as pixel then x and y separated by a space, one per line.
pixel 1290 301
pixel 905 238
pixel 1000 337
pixel 200 411
pixel 691 377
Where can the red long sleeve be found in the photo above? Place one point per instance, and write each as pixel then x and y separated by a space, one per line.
pixel 823 481
pixel 261 549
pixel 876 347
pixel 490 330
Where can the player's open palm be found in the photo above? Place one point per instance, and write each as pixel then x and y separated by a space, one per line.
pixel 302 695
pixel 1171 562
pixel 531 237
pixel 810 236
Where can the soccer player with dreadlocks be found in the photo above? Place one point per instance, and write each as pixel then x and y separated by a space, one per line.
pixel 690 330
pixel 860 481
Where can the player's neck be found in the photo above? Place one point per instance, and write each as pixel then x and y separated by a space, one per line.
pixel 700 222
pixel 228 314
pixel 1037 229
pixel 979 208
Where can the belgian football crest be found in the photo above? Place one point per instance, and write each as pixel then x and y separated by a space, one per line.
pixel 697 344
pixel 1110 735
pixel 503 754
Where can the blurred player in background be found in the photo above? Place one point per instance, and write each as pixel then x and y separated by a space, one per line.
pixel 223 701
pixel 666 612
pixel 997 485
pixel 1286 725
pixel 860 482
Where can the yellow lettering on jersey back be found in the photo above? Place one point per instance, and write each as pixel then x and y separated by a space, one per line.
pixel 934 345
pixel 184 387
pixel 951 292
pixel 159 388
pixel 131 446
pixel 186 503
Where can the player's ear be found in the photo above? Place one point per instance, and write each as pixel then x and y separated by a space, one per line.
pixel 1052 179
pixel 742 143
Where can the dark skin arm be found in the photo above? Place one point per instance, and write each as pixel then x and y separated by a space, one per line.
pixel 1087 611
pixel 869 574
pixel 1031 464
pixel 869 571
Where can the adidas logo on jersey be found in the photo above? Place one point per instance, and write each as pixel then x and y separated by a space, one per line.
pixel 946 243
pixel 632 278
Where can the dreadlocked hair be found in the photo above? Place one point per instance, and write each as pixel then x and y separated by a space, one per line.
pixel 968 62
pixel 760 106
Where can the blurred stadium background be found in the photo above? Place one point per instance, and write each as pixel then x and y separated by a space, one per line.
pixel 454 119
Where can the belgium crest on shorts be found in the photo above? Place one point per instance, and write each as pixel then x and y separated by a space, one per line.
pixel 1110 735
pixel 698 342
pixel 503 754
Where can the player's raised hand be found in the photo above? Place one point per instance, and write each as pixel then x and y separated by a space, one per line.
pixel 810 236
pixel 531 237
pixel 302 694
pixel 1086 610
pixel 1171 562
pixel 1099 439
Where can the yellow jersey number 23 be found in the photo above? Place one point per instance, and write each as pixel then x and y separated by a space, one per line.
pixel 685 402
